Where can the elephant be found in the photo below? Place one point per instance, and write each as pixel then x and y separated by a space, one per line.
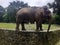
pixel 30 15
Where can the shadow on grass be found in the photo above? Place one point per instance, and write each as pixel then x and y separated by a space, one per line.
pixel 8 37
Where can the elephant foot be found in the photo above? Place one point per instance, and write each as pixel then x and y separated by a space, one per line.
pixel 37 30
pixel 17 29
pixel 41 29
pixel 23 29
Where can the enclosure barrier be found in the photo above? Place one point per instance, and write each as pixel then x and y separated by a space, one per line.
pixel 9 37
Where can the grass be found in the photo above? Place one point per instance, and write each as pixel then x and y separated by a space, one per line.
pixel 27 26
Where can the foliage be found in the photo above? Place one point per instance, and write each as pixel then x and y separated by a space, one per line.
pixel 56 7
pixel 56 19
pixel 2 11
pixel 12 9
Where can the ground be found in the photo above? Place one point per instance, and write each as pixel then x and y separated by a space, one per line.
pixel 10 37
pixel 27 26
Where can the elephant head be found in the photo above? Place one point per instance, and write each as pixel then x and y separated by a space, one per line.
pixel 49 14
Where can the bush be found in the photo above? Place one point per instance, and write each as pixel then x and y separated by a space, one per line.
pixel 56 19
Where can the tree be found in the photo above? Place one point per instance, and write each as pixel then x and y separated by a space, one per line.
pixel 56 7
pixel 13 8
pixel 2 11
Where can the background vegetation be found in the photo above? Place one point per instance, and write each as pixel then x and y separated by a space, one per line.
pixel 8 14
pixel 56 10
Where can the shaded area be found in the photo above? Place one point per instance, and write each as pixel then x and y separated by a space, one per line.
pixel 8 37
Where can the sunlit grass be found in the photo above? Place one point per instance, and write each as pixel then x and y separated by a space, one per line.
pixel 27 26
pixel 7 25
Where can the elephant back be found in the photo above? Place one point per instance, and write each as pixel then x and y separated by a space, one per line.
pixel 26 15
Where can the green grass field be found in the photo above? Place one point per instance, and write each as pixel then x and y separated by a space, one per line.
pixel 27 26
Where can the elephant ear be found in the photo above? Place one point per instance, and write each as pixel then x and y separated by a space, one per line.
pixel 45 7
pixel 48 12
pixel 45 10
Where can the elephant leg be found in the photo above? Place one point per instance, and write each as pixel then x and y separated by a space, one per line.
pixel 40 25
pixel 17 26
pixel 37 26
pixel 22 25
pixel 50 21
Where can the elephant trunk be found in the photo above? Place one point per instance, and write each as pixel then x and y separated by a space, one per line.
pixel 50 21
